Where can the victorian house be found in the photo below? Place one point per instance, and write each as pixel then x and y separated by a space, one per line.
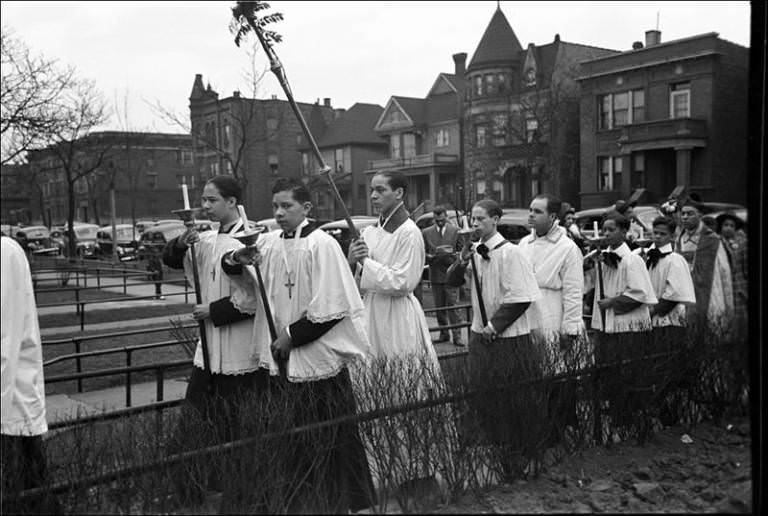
pixel 423 136
pixel 347 145
pixel 520 115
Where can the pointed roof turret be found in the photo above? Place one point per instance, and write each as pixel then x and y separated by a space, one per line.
pixel 197 88
pixel 498 46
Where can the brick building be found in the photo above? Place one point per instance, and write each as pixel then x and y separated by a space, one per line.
pixel 662 115
pixel 147 169
pixel 424 139
pixel 348 144
pixel 15 194
pixel 254 140
pixel 521 117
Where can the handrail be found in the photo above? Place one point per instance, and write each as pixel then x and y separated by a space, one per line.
pixel 71 340
pixel 121 349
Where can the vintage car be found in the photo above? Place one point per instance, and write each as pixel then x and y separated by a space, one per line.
pixel 645 213
pixel 127 241
pixel 85 238
pixel 427 219
pixel 154 239
pixel 339 229
pixel 37 240
pixel 513 224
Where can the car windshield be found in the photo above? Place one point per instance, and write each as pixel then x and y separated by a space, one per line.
pixel 36 232
pixel 124 233
pixel 86 232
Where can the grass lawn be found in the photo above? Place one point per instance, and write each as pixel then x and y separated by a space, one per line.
pixel 93 316
pixel 68 296
pixel 112 340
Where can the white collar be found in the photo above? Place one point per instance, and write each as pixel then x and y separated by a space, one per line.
pixel 622 250
pixel 554 234
pixel 493 241
pixel 663 249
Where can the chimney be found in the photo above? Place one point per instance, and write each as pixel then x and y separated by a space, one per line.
pixel 274 97
pixel 460 62
pixel 652 37
pixel 327 102
pixel 236 94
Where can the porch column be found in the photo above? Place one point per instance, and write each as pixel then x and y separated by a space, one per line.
pixel 683 166
pixel 433 177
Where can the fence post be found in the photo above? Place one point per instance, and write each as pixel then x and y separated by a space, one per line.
pixel 125 283
pixel 98 278
pixel 186 291
pixel 82 316
pixel 85 276
pixel 160 383
pixel 77 300
pixel 78 365
pixel 128 378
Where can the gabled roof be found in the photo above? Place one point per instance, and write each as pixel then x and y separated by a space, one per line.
pixel 441 108
pixel 443 84
pixel 499 44
pixel 413 108
pixel 354 126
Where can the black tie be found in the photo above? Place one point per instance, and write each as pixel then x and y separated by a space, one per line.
pixel 483 251
pixel 653 257
pixel 612 259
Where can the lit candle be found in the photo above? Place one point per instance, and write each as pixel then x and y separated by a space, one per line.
pixel 594 228
pixel 186 196
pixel 243 218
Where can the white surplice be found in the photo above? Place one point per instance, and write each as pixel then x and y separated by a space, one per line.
pixel 23 389
pixel 559 269
pixel 229 347
pixel 505 278
pixel 322 289
pixel 396 323
pixel 630 278
pixel 671 280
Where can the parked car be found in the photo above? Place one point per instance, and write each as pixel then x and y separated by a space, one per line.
pixel 85 238
pixel 37 240
pixel 339 229
pixel 585 219
pixel 127 241
pixel 158 236
pixel 427 219
pixel 513 224
pixel 142 225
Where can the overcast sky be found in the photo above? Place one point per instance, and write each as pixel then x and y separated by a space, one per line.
pixel 348 51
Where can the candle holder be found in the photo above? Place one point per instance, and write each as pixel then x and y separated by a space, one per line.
pixel 187 215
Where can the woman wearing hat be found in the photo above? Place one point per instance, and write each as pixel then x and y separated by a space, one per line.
pixel 730 228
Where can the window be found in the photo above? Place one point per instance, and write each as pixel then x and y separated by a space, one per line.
pixel 227 134
pixel 638 170
pixel 490 84
pixel 617 109
pixel 638 106
pixel 273 163
pixel 680 100
pixel 214 167
pixel 478 86
pixel 339 161
pixel 531 129
pixel 228 168
pixel 409 145
pixel 480 135
pixel 604 174
pixel 502 80
pixel 618 166
pixel 442 138
pixel 186 157
pixel 394 145
pixel 620 109
pixel 499 130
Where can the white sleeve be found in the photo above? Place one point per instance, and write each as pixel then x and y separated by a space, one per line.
pixel 403 274
pixel 572 276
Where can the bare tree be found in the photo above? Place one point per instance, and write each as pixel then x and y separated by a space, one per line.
pixel 81 110
pixel 235 142
pixel 30 90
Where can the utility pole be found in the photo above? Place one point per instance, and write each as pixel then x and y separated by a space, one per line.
pixel 112 213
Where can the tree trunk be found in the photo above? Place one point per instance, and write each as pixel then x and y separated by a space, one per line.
pixel 71 244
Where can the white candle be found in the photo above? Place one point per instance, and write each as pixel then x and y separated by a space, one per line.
pixel 186 196
pixel 594 228
pixel 243 218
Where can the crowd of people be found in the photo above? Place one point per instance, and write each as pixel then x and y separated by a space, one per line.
pixel 291 311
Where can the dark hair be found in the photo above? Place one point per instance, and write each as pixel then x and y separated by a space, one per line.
pixel 665 221
pixel 395 180
pixel 490 206
pixel 554 204
pixel 720 220
pixel 439 210
pixel 227 186
pixel 621 221
pixel 288 184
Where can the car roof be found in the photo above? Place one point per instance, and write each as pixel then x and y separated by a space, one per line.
pixel 514 216
pixel 360 221
pixel 450 213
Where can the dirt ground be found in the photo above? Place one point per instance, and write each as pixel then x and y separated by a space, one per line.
pixel 710 474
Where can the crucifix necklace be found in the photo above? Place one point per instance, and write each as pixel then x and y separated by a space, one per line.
pixel 297 235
